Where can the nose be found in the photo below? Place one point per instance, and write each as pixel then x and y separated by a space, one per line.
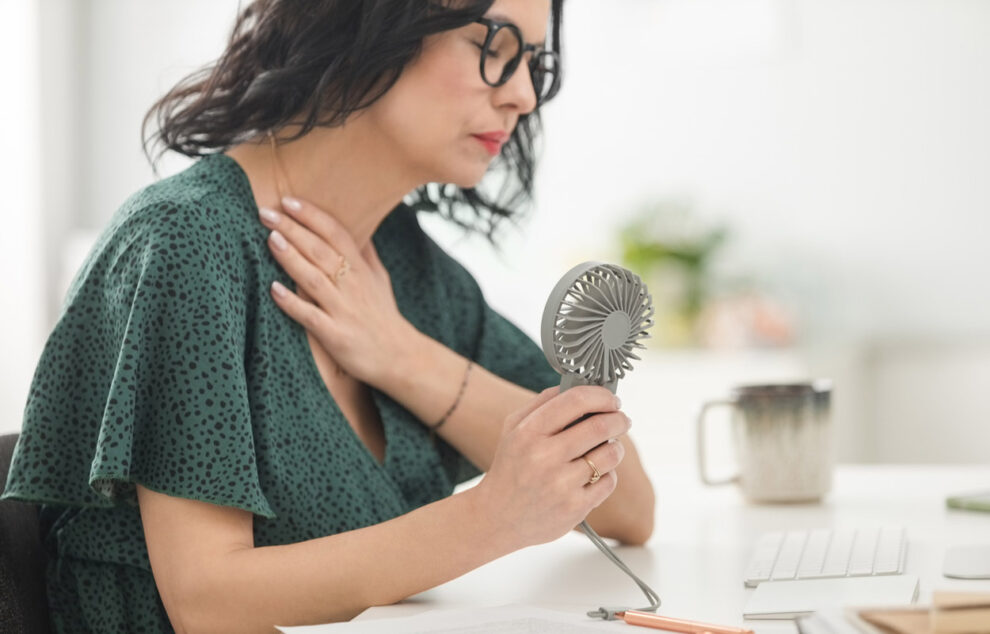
pixel 519 92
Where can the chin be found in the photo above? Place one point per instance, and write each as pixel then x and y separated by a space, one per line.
pixel 465 177
pixel 464 169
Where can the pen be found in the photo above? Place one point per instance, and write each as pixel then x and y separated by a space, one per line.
pixel 648 619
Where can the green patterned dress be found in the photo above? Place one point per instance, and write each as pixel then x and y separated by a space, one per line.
pixel 171 366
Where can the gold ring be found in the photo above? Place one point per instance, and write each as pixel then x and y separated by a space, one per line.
pixel 595 474
pixel 344 267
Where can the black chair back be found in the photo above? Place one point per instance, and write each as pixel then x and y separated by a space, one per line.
pixel 23 604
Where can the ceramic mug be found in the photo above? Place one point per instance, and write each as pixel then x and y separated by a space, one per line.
pixel 782 438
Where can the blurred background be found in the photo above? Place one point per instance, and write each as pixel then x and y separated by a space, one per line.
pixel 804 184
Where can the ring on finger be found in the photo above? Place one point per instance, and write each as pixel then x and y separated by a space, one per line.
pixel 342 269
pixel 595 473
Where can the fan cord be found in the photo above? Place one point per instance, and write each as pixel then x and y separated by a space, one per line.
pixel 609 614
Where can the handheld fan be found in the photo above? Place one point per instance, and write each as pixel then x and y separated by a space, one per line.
pixel 595 317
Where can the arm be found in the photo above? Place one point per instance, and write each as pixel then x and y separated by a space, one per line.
pixel 212 578
pixel 426 378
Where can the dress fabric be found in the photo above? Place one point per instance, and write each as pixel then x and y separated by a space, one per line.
pixel 171 366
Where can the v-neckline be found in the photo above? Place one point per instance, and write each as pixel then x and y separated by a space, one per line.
pixel 351 425
pixel 303 340
pixel 315 369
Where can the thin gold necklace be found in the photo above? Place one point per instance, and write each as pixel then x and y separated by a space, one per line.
pixel 282 193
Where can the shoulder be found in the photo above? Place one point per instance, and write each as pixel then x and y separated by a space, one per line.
pixel 415 260
pixel 211 194
pixel 447 270
pixel 200 221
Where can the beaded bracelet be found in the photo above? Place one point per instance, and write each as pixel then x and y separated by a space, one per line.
pixel 434 428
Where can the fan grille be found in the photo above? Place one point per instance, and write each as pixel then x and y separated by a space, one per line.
pixel 603 316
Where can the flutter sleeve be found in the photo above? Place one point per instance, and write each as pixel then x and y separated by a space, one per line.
pixel 488 337
pixel 484 335
pixel 143 379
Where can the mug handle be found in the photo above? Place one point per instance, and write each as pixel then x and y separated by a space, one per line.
pixel 702 461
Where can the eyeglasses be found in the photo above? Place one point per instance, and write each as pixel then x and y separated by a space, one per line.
pixel 502 53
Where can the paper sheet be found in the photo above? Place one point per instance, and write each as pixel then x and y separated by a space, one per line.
pixel 507 619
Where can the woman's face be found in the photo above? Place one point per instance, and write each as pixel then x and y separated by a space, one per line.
pixel 440 101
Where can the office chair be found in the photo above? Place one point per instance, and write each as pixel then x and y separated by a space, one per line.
pixel 23 604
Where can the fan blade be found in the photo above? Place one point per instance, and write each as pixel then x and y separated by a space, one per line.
pixel 590 309
pixel 603 305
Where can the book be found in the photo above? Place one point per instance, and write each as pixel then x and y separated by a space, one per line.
pixel 960 612
pixel 950 613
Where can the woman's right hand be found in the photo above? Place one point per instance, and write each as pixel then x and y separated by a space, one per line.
pixel 537 488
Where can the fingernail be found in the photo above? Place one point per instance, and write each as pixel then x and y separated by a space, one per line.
pixel 618 403
pixel 279 241
pixel 279 289
pixel 268 216
pixel 291 203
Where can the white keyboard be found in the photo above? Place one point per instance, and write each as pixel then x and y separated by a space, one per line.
pixel 825 553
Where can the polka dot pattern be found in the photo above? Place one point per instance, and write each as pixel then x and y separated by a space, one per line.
pixel 171 366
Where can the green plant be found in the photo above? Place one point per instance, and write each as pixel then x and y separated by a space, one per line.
pixel 666 244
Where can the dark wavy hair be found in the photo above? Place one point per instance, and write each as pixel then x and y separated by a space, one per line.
pixel 329 59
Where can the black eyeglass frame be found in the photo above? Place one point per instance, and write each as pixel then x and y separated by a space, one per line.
pixel 513 65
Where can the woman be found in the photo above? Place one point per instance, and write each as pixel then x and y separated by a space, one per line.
pixel 266 379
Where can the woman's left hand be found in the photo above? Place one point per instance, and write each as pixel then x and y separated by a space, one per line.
pixel 345 297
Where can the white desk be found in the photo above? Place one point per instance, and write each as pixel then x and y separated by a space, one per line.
pixel 704 538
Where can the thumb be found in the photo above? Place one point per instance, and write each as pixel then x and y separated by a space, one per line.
pixel 517 416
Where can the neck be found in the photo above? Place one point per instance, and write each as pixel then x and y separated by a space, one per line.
pixel 345 171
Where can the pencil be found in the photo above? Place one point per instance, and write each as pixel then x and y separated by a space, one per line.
pixel 648 619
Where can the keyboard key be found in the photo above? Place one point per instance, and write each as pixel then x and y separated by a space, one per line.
pixel 813 559
pixel 890 552
pixel 790 556
pixel 764 558
pixel 837 559
pixel 863 552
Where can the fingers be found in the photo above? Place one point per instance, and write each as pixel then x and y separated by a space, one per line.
pixel 310 245
pixel 557 413
pixel 308 277
pixel 300 310
pixel 605 457
pixel 598 492
pixel 312 266
pixel 325 226
pixel 592 432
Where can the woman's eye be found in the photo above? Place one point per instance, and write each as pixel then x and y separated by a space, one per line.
pixel 492 53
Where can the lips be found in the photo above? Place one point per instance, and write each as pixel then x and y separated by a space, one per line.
pixel 497 137
pixel 492 141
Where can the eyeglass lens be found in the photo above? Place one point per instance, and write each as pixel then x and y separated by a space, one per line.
pixel 544 70
pixel 503 55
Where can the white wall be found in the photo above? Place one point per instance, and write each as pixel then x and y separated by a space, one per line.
pixel 848 145
pixel 22 306
pixel 933 398
pixel 845 141
pixel 136 51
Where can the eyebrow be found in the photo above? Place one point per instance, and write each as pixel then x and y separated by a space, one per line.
pixel 501 17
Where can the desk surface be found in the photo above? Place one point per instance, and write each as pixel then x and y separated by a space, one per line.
pixel 703 540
